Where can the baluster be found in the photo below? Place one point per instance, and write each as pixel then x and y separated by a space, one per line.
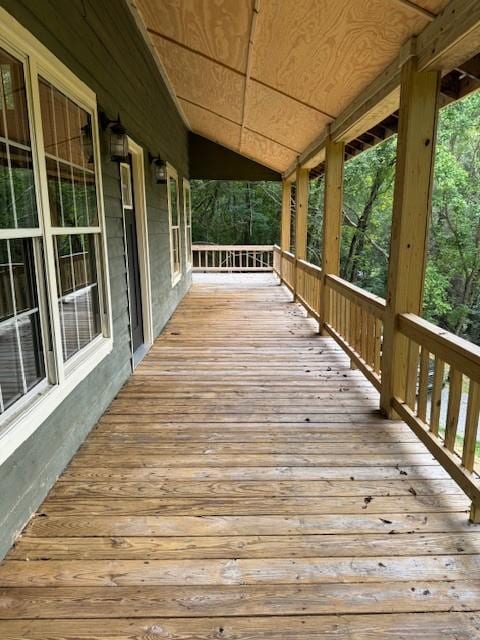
pixel 423 385
pixel 353 326
pixel 358 336
pixel 454 398
pixel 411 375
pixel 436 395
pixel 378 345
pixel 363 349
pixel 471 425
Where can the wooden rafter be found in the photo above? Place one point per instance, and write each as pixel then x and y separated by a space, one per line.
pixel 446 43
pixel 248 68
pixel 454 86
pixel 417 8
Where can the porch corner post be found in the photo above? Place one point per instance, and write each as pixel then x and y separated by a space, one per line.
pixel 286 222
pixel 332 220
pixel 412 203
pixel 286 215
pixel 301 213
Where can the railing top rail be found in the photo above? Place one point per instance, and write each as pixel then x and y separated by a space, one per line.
pixel 308 266
pixel 232 247
pixel 460 353
pixel 288 255
pixel 375 303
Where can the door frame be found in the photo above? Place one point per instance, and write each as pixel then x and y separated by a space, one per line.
pixel 141 223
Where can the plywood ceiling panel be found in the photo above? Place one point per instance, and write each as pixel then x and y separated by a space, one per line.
pixel 265 77
pixel 266 151
pixel 216 28
pixel 212 126
pixel 325 52
pixel 202 81
pixel 279 117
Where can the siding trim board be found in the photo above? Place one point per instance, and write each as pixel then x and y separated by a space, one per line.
pixel 125 80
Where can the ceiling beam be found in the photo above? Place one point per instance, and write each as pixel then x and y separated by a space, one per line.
pixel 450 39
pixel 248 66
pixel 425 13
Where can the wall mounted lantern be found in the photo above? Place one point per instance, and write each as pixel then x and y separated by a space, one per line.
pixel 118 138
pixel 159 168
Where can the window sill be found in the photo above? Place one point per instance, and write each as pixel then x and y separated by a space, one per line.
pixel 19 428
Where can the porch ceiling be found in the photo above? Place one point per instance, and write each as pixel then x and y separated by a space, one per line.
pixel 265 78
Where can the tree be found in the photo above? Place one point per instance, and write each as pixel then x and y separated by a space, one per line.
pixel 227 212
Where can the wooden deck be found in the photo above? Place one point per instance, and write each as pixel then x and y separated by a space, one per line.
pixel 242 486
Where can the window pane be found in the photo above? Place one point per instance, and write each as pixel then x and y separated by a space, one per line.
pixel 53 179
pixel 80 193
pixel 18 206
pixel 23 187
pixel 91 199
pixel 21 352
pixel 14 100
pixel 67 132
pixel 172 185
pixel 78 291
pixel 7 217
pixel 11 379
pixel 48 121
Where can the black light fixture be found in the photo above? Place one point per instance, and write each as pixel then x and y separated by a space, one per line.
pixel 118 138
pixel 159 168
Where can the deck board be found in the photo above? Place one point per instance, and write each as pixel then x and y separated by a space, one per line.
pixel 243 485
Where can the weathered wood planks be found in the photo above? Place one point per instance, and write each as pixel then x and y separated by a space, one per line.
pixel 243 486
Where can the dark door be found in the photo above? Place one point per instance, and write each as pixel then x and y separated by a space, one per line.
pixel 135 291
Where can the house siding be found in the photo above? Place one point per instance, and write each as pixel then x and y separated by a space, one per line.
pixel 101 44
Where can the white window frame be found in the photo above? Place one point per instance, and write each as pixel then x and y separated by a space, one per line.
pixel 187 223
pixel 25 416
pixel 174 231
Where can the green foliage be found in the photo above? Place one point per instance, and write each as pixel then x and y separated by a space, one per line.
pixel 225 212
pixel 368 196
pixel 248 213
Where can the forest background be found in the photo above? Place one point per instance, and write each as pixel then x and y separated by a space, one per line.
pixel 249 213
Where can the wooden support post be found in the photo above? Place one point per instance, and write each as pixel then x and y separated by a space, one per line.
pixel 332 219
pixel 286 215
pixel 286 222
pixel 301 213
pixel 411 213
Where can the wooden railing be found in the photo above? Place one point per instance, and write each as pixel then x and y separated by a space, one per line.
pixel 446 368
pixel 232 258
pixel 287 269
pixel 442 375
pixel 354 318
pixel 308 286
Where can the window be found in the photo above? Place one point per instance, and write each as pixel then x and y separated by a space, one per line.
pixel 187 212
pixel 174 220
pixel 54 303
pixel 22 364
pixel 73 206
